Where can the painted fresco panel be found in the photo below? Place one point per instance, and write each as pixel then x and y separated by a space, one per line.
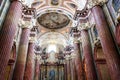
pixel 52 72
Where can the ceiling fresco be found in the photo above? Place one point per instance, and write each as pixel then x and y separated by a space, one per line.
pixel 53 20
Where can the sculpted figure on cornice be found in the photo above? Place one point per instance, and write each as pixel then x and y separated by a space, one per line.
pixel 84 26
pixel 54 2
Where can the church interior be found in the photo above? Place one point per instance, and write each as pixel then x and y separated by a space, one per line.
pixel 59 39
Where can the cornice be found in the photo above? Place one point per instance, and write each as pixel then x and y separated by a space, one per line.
pixel 92 3
pixel 25 24
pixel 84 26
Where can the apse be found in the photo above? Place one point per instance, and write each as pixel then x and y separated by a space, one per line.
pixel 52 48
pixel 53 41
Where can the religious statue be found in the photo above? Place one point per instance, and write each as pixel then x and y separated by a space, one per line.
pixel 52 74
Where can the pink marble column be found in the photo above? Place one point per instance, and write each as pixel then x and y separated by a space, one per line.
pixel 68 70
pixel 73 70
pixel 78 61
pixel 22 55
pixel 37 69
pixel 7 34
pixel 65 71
pixel 87 52
pixel 29 69
pixel 109 48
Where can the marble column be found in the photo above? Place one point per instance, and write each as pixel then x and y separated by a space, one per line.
pixel 68 67
pixel 87 52
pixel 65 71
pixel 78 61
pixel 37 69
pixel 29 69
pixel 73 71
pixel 22 53
pixel 109 48
pixel 7 34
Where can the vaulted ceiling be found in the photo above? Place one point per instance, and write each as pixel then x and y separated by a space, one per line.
pixel 55 19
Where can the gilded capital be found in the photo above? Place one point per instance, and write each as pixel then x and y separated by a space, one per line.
pixel 67 57
pixel 32 39
pixel 84 26
pixel 38 57
pixel 92 3
pixel 25 24
pixel 77 40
